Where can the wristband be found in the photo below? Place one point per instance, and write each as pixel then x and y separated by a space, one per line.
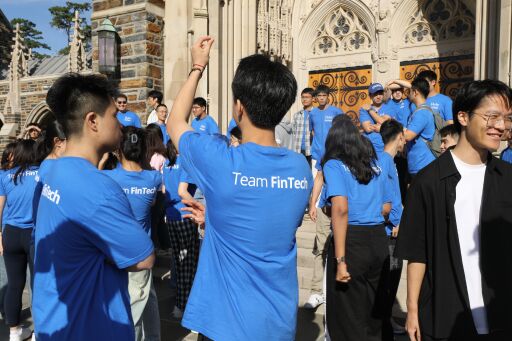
pixel 196 69
pixel 340 260
pixel 201 66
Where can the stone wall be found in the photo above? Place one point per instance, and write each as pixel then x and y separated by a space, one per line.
pixel 139 24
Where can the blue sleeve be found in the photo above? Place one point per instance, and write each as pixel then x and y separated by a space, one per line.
pixel 335 178
pixel 389 109
pixel 158 179
pixel 419 121
pixel 318 166
pixel 2 188
pixel 201 157
pixel 137 121
pixel 116 232
pixel 364 116
pixel 184 177
pixel 448 110
pixel 214 128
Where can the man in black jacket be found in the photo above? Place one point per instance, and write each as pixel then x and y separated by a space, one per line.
pixel 456 229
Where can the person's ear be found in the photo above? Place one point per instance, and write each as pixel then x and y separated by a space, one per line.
pixel 238 111
pixel 463 118
pixel 91 121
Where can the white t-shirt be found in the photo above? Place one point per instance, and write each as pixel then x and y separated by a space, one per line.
pixel 467 215
pixel 152 118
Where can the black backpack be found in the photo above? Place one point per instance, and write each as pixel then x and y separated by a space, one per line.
pixel 435 144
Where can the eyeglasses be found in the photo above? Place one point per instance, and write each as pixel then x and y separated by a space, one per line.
pixel 493 119
pixel 121 102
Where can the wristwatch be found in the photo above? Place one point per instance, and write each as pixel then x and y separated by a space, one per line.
pixel 340 259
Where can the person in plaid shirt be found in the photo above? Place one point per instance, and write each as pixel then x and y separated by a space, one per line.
pixel 301 131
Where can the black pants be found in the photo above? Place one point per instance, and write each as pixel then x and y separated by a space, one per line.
pixel 395 272
pixel 497 336
pixel 16 243
pixel 355 311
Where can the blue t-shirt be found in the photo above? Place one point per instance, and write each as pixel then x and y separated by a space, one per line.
pixel 231 125
pixel 320 122
pixel 419 154
pixel 85 237
pixel 207 125
pixel 393 187
pixel 506 155
pixel 129 119
pixel 442 104
pixel 163 127
pixel 245 287
pixel 172 178
pixel 140 189
pixel 364 201
pixel 375 137
pixel 18 208
pixel 401 109
pixel 322 198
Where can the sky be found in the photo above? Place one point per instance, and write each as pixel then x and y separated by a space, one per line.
pixel 37 12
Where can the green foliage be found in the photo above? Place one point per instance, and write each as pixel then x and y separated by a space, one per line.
pixel 63 16
pixel 32 36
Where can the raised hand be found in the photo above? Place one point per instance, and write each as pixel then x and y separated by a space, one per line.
pixel 201 51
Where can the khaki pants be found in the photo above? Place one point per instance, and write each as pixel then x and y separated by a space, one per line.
pixel 323 230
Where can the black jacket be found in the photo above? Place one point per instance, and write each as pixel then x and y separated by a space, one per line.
pixel 428 234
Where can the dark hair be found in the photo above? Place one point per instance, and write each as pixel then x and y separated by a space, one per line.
pixel 133 145
pixel 154 141
pixel 236 132
pixel 53 130
pixel 25 156
pixel 346 144
pixel 7 154
pixel 471 94
pixel 322 88
pixel 450 129
pixel 390 129
pixel 199 101
pixel 161 105
pixel 34 125
pixel 156 94
pixel 266 89
pixel 428 75
pixel 421 85
pixel 122 96
pixel 171 153
pixel 310 91
pixel 73 95
pixel 111 162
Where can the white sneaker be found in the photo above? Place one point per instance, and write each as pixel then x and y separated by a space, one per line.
pixel 177 313
pixel 314 301
pixel 20 335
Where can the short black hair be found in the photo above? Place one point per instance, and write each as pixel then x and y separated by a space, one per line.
pixel 310 91
pixel 421 85
pixel 322 88
pixel 428 75
pixel 156 94
pixel 161 105
pixel 72 96
pixel 266 89
pixel 450 129
pixel 122 96
pixel 199 101
pixel 471 94
pixel 133 145
pixel 390 129
pixel 236 132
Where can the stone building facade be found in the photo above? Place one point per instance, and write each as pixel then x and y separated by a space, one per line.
pixel 346 44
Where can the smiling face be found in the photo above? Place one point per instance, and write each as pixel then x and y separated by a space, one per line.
pixel 121 103
pixel 397 94
pixel 479 129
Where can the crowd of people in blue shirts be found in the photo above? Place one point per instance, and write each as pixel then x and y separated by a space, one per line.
pixel 84 206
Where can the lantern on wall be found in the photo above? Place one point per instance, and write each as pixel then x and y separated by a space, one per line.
pixel 107 47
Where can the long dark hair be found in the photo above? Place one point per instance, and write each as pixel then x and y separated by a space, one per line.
pixel 7 156
pixel 171 153
pixel 53 130
pixel 345 143
pixel 154 141
pixel 25 156
pixel 133 146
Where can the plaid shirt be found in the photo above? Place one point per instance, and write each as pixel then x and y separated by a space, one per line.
pixel 298 129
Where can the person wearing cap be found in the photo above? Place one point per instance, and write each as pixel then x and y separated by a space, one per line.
pixel 373 115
